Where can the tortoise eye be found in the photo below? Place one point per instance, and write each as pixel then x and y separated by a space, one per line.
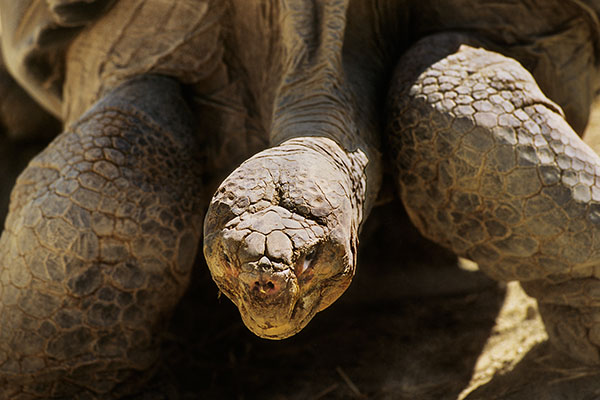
pixel 306 261
pixel 310 255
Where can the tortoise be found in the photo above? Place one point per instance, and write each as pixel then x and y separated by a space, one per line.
pixel 475 109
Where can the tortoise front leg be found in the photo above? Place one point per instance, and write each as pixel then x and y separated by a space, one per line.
pixel 488 167
pixel 98 246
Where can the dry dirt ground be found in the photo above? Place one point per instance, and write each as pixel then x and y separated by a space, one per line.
pixel 415 324
pixel 419 327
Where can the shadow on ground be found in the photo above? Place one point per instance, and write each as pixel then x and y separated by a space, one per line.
pixel 542 375
pixel 411 326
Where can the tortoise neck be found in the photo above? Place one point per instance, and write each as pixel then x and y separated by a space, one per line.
pixel 316 99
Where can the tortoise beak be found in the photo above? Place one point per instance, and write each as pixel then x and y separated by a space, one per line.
pixel 282 319
pixel 269 300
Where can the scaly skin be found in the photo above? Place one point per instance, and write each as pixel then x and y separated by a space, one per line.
pixel 488 167
pixel 281 233
pixel 117 272
pixel 98 247
pixel 105 223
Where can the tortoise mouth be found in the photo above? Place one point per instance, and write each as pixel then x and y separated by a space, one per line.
pixel 279 322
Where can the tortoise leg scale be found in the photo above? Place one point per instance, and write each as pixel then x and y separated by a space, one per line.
pixel 98 247
pixel 488 167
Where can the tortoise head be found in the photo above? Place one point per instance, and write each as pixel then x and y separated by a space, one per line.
pixel 276 246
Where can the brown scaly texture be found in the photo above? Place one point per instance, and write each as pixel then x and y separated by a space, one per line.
pixel 489 168
pixel 100 239
pixel 105 222
pixel 190 48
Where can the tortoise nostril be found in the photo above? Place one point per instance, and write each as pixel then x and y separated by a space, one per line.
pixel 267 287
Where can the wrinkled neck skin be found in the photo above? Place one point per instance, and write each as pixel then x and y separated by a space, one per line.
pixel 281 232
